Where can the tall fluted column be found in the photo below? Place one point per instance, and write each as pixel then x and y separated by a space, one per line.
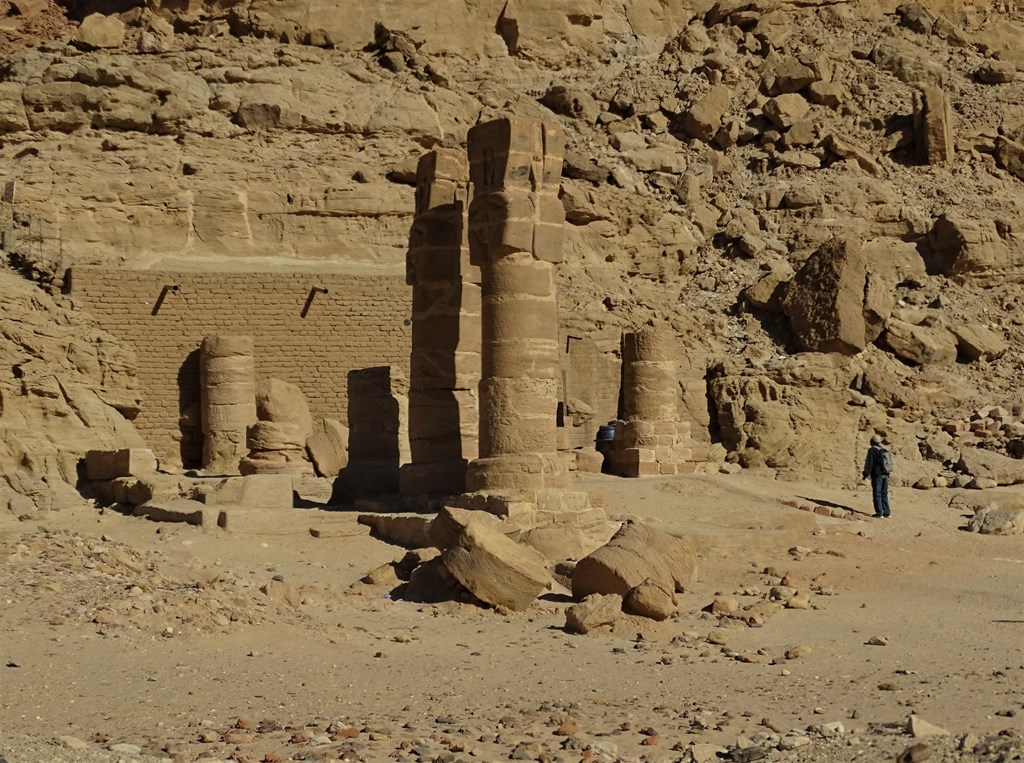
pixel 445 360
pixel 515 233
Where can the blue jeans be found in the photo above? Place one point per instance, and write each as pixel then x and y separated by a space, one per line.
pixel 880 494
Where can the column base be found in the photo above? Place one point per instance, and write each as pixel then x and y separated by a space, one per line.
pixel 529 472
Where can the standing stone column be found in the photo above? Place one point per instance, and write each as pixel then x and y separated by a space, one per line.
pixel 515 234
pixel 444 367
pixel 227 372
pixel 651 440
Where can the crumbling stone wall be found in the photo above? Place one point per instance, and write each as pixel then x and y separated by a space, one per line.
pixel 312 339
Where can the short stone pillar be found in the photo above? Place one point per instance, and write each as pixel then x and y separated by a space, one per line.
pixel 650 440
pixel 515 233
pixel 933 126
pixel 444 366
pixel 227 373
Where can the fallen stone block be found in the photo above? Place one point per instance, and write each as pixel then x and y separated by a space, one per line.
pixel 178 510
pixel 111 464
pixel 634 556
pixel 593 612
pixel 405 530
pixel 256 491
pixel 448 525
pixel 496 569
pixel 994 521
pixel 650 600
pixel 328 447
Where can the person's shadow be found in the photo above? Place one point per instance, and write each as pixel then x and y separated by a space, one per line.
pixel 834 505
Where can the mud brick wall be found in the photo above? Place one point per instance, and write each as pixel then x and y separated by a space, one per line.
pixel 309 338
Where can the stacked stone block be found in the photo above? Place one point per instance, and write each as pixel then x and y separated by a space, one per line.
pixel 515 231
pixel 444 368
pixel 228 388
pixel 276 448
pixel 651 440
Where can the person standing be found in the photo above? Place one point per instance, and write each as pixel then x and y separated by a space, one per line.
pixel 878 466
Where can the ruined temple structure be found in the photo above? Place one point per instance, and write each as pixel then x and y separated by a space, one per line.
pixel 651 440
pixel 444 367
pixel 515 232
pixel 228 401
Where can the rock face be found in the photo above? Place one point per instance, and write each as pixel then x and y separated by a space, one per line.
pixel 826 300
pixel 496 569
pixel 69 388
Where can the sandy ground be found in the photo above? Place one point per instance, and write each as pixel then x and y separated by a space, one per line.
pixel 119 631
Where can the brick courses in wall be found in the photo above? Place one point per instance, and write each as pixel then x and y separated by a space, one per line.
pixel 307 337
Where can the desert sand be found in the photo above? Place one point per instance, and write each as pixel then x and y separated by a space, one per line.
pixel 120 631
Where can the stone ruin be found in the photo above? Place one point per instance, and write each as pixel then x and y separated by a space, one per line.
pixel 444 365
pixel 484 318
pixel 651 440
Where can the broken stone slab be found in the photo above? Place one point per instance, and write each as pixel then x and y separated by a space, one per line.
pixel 496 569
pixel 405 530
pixel 448 525
pixel 650 600
pixel 995 521
pixel 920 345
pixel 786 110
pixel 283 403
pixel 1010 155
pixel 919 728
pixel 704 118
pixel 126 462
pixel 978 462
pixel 178 510
pixel 593 612
pixel 328 447
pixel 975 342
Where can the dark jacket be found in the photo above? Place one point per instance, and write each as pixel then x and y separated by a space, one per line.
pixel 873 463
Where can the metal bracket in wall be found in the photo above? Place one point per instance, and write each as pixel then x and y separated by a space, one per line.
pixel 168 288
pixel 309 300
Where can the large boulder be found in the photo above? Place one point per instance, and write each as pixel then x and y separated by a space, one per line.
pixel 328 447
pixel 995 521
pixel 593 612
pixel 99 31
pixel 987 464
pixel 834 304
pixel 704 117
pixel 496 569
pixel 976 342
pixel 1010 155
pixel 644 566
pixel 965 248
pixel 283 403
pixel 920 345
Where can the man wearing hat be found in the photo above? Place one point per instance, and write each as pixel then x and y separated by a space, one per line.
pixel 878 466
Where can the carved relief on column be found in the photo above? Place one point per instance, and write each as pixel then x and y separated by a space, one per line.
pixel 515 232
